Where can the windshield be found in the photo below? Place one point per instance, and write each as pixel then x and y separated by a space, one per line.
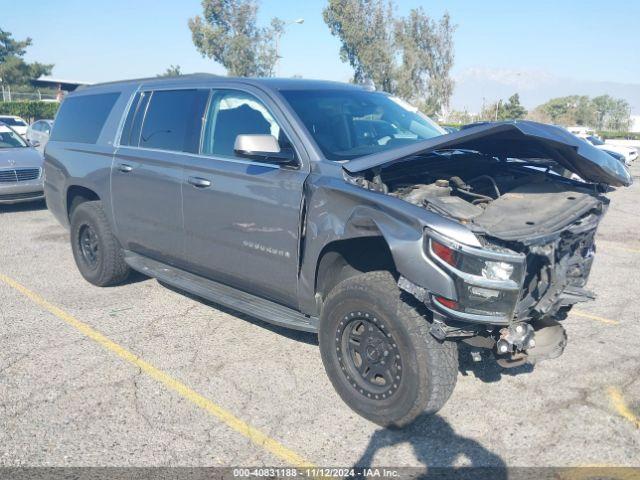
pixel 595 140
pixel 347 124
pixel 10 139
pixel 13 122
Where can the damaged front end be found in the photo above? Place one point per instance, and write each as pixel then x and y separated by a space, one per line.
pixel 535 228
pixel 514 288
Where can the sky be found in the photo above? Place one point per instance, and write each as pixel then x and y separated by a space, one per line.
pixel 525 42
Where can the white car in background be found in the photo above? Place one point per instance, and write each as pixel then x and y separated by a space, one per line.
pixel 38 134
pixel 630 154
pixel 17 123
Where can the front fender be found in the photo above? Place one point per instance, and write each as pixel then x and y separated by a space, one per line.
pixel 341 211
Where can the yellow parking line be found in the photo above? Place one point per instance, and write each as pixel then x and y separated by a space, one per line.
pixel 621 407
pixel 233 422
pixel 617 247
pixel 625 249
pixel 589 472
pixel 608 321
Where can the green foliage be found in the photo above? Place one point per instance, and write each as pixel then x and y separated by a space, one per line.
pixel 611 113
pixel 172 71
pixel 30 111
pixel 10 47
pixel 512 110
pixel 603 112
pixel 509 110
pixel 366 30
pixel 408 56
pixel 227 32
pixel 13 69
pixel 619 135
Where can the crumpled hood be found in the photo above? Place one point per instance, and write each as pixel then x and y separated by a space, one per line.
pixel 20 157
pixel 514 139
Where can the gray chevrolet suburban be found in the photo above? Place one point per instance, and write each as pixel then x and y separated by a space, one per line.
pixel 329 208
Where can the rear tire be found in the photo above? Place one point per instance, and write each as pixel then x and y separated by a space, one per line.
pixel 379 355
pixel 96 250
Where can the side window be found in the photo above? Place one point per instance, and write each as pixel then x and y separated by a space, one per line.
pixel 233 113
pixel 81 118
pixel 37 127
pixel 173 120
pixel 45 127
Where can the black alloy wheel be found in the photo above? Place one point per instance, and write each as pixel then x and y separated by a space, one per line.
pixel 368 355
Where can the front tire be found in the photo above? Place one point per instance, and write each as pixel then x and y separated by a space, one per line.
pixel 97 252
pixel 379 355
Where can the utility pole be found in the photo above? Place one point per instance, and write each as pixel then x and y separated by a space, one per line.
pixel 298 21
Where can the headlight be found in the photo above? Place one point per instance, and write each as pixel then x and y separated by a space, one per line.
pixel 487 282
pixel 497 270
pixel 475 261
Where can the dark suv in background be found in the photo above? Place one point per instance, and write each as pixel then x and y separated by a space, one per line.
pixel 328 208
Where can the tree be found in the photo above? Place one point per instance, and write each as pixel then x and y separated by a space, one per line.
pixel 570 110
pixel 10 47
pixel 603 112
pixel 172 71
pixel 408 56
pixel 13 69
pixel 366 30
pixel 227 32
pixel 511 110
pixel 611 113
pixel 427 58
pixel 619 116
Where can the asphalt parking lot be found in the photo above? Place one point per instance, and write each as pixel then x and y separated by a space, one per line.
pixel 143 375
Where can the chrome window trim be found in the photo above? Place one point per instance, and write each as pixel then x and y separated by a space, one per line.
pixel 208 157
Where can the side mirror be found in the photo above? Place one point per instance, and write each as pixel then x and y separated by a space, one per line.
pixel 263 148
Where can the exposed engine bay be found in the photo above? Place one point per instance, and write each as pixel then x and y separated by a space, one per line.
pixel 506 200
pixel 523 207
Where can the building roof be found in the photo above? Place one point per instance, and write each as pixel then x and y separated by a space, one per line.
pixel 66 85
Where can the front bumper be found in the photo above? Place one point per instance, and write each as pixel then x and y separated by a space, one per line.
pixel 24 191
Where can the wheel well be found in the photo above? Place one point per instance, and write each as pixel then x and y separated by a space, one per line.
pixel 342 259
pixel 77 195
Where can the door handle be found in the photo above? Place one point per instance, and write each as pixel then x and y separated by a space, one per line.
pixel 199 182
pixel 123 167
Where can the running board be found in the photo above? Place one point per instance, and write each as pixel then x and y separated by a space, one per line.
pixel 230 297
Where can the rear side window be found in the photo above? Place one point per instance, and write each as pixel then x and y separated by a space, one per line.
pixel 173 121
pixel 80 119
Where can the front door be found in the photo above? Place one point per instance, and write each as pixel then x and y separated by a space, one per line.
pixel 242 217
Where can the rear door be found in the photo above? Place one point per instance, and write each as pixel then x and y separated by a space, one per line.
pixel 242 217
pixel 161 128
